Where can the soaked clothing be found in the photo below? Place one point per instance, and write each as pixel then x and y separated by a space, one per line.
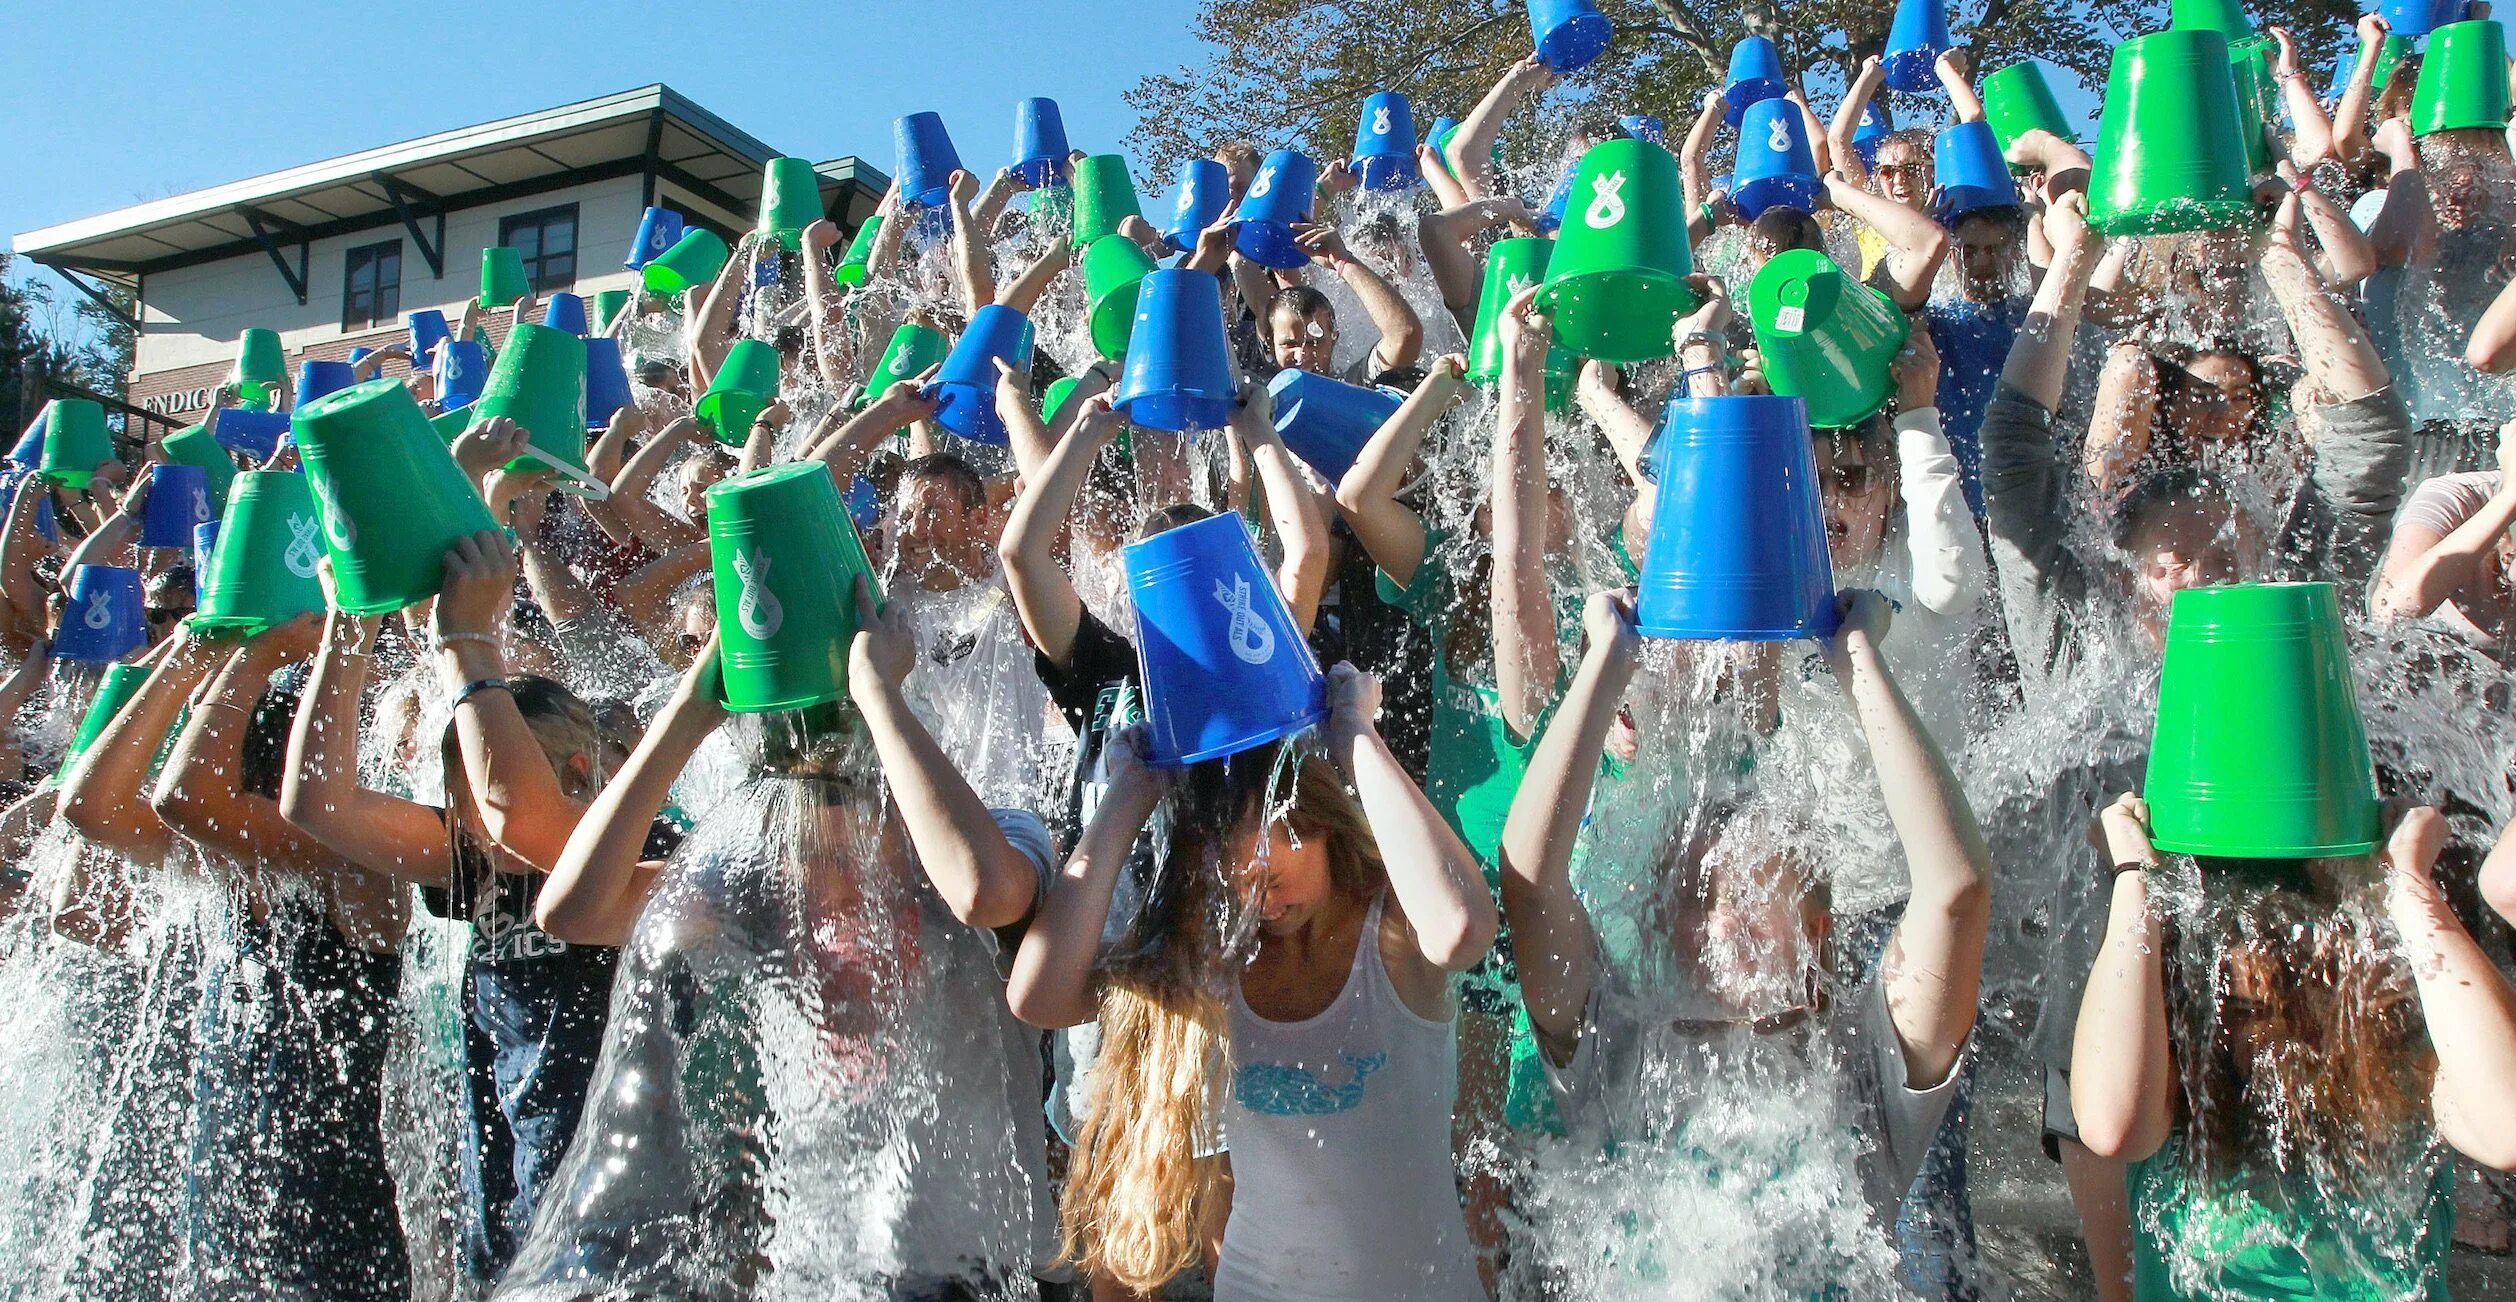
pixel 975 689
pixel 1973 340
pixel 2281 1237
pixel 1343 1185
pixel 289 1194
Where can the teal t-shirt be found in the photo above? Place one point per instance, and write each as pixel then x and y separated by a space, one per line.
pixel 1475 765
pixel 2281 1237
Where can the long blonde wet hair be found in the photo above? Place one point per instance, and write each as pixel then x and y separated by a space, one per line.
pixel 1135 1192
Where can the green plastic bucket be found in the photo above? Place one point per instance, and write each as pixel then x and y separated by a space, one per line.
pixel 857 265
pixel 194 445
pixel 912 349
pixel 2259 751
pixel 2463 79
pixel 1616 282
pixel 2171 154
pixel 1825 338
pixel 1511 266
pixel 2226 17
pixel 538 382
pixel 1113 266
pixel 740 390
pixel 694 259
pixel 120 683
pixel 786 561
pixel 790 200
pixel 2257 98
pixel 75 442
pixel 607 306
pixel 261 373
pixel 262 570
pixel 1105 195
pixel 2017 99
pixel 391 498
pixel 502 279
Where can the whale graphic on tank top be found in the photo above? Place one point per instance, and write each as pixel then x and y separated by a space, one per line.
pixel 1283 1090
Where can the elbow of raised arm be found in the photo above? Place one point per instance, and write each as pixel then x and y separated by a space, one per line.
pixel 1464 942
pixel 999 895
pixel 1030 1000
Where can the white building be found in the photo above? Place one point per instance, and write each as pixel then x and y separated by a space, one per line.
pixel 332 254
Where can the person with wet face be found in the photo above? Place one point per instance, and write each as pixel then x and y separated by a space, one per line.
pixel 2277 1047
pixel 1748 938
pixel 1300 324
pixel 1333 1016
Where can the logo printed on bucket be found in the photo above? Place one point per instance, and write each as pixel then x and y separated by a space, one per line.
pixel 1380 120
pixel 1606 207
pixel 336 522
pixel 100 613
pixel 302 554
pixel 200 504
pixel 1251 639
pixel 1266 181
pixel 759 611
pixel 1779 138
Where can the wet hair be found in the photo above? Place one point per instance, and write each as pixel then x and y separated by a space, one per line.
pixel 1304 302
pixel 1236 151
pixel 949 470
pixel 2010 217
pixel 1780 230
pixel 1166 518
pixel 564 725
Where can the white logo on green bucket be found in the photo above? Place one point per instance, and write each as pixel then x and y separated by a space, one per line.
pixel 302 553
pixel 1515 284
pixel 336 524
pixel 1606 207
pixel 1380 120
pixel 759 612
pixel 1250 638
pixel 1265 182
pixel 100 616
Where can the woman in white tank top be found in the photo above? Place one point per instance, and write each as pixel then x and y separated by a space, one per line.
pixel 1322 1046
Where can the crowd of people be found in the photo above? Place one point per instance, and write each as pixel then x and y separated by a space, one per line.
pixel 1550 957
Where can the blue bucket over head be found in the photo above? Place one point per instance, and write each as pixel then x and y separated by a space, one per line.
pixel 658 230
pixel 1915 40
pixel 1224 668
pixel 29 452
pixel 1551 216
pixel 1039 143
pixel 1384 142
pixel 927 159
pixel 1971 175
pixel 1279 195
pixel 1326 422
pixel 1755 76
pixel 965 389
pixel 1178 374
pixel 242 429
pixel 315 379
pixel 102 619
pixel 1569 34
pixel 606 381
pixel 462 371
pixel 178 502
pixel 204 541
pixel 428 329
pixel 1205 190
pixel 1775 168
pixel 565 312
pixel 1738 539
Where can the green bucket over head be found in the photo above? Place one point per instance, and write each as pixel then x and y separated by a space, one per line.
pixel 1616 282
pixel 1825 338
pixel 1113 266
pixel 120 683
pixel 2017 99
pixel 786 561
pixel 391 498
pixel 858 264
pixel 261 373
pixel 694 259
pixel 912 349
pixel 2259 750
pixel 194 445
pixel 75 441
pixel 263 567
pixel 1105 195
pixel 538 382
pixel 2226 17
pixel 607 306
pixel 743 386
pixel 1510 267
pixel 2463 79
pixel 2171 154
pixel 1053 399
pixel 790 200
pixel 502 279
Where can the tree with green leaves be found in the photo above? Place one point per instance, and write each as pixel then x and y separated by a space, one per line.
pixel 46 343
pixel 1290 73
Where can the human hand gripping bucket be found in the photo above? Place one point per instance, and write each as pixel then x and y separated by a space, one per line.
pixel 1280 195
pixel 1223 665
pixel 1511 266
pixel 2259 749
pixel 1178 374
pixel 1738 539
pixel 538 382
pixel 1825 337
pixel 261 373
pixel 790 200
pixel 1569 34
pixel 786 561
pixel 965 389
pixel 927 159
pixel 1326 422
pixel 1616 280
pixel 389 494
pixel 502 278
pixel 178 500
pixel 263 571
pixel 194 445
pixel 2171 152
pixel 913 348
pixel 102 619
pixel 1755 76
pixel 257 434
pixel 858 264
pixel 2017 99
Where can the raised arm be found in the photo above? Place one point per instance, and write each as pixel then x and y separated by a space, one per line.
pixel 630 504
pixel 2424 570
pixel 2310 132
pixel 320 793
pixel 1458 271
pixel 522 808
pixel 2122 1080
pixel 1934 968
pixel 1955 69
pixel 2350 131
pixel 1052 983
pixel 600 883
pixel 24 545
pixel 1694 168
pixel 1471 147
pixel 1940 536
pixel 604 459
pixel 711 328
pixel 1527 663
pixel 981 877
pixel 1028 435
pixel 1915 243
pixel 105 794
pixel 1293 510
pixel 972 274
pixel 826 300
pixel 2344 255
pixel 2337 354
pixel 1551 936
pixel 201 792
pixel 1025 291
pixel 1431 872
pixel 1847 122
pixel 1043 595
pixel 1391 532
pixel 112 541
pixel 1401 331
pixel 2468 1005
pixel 2124 416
